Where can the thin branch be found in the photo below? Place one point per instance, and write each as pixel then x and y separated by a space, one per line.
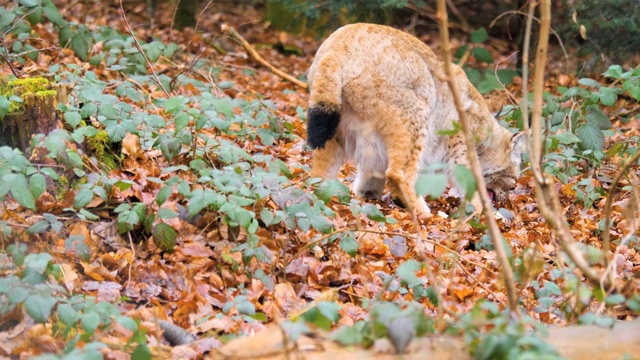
pixel 254 54
pixel 534 4
pixel 524 104
pixel 428 12
pixel 133 250
pixel 474 163
pixel 512 97
pixel 606 239
pixel 538 78
pixel 10 66
pixel 610 269
pixel 135 40
pixel 465 25
pixel 173 21
pixel 553 215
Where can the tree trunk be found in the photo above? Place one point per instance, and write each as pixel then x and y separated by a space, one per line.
pixel 186 14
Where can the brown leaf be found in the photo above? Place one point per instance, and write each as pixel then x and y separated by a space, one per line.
pixel 285 297
pixel 131 146
pixel 196 250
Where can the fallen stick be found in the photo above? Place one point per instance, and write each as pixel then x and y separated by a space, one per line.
pixel 254 55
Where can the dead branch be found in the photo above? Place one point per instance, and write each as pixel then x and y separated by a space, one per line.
pixel 10 66
pixel 530 16
pixel 231 32
pixel 135 40
pixel 429 13
pixel 472 156
pixel 463 22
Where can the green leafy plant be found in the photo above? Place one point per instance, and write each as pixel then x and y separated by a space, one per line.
pixel 16 23
pixel 33 285
pixel 576 127
pixel 488 79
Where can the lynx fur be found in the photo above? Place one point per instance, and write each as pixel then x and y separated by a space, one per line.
pixel 378 96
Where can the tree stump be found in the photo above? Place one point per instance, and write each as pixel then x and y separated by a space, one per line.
pixel 36 114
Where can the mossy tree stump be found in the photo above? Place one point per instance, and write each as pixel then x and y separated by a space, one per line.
pixel 36 114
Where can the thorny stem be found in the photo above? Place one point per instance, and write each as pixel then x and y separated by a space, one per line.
pixel 472 156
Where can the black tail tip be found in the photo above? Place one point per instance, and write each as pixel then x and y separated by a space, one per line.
pixel 322 125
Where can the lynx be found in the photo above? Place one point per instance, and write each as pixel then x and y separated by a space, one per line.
pixel 378 96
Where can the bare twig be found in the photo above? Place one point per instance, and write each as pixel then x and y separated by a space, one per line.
pixel 254 54
pixel 606 237
pixel 173 20
pixel 610 269
pixel 472 157
pixel 133 251
pixel 524 104
pixel 512 97
pixel 428 12
pixel 10 66
pixel 465 25
pixel 534 4
pixel 538 78
pixel 135 40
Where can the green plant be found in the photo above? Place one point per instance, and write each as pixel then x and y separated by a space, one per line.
pixel 322 16
pixel 488 79
pixel 33 283
pixel 576 127
pixel 492 334
pixel 16 23
pixel 599 29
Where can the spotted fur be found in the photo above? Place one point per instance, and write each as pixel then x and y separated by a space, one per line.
pixel 379 97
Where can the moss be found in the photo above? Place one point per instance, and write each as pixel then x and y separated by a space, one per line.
pixel 37 86
pixel 44 93
pixel 63 186
pixel 34 84
pixel 99 144
pixel 14 107
pixel 110 161
pixel 76 184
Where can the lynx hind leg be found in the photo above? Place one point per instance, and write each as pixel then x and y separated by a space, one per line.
pixel 327 160
pixel 457 153
pixel 370 155
pixel 404 162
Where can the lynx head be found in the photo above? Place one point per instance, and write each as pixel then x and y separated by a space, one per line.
pixel 502 165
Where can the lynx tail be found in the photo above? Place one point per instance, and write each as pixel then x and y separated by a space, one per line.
pixel 324 106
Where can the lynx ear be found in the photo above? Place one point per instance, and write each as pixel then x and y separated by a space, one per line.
pixel 518 145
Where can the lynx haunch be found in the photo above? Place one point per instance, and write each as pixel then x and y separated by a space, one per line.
pixel 379 97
